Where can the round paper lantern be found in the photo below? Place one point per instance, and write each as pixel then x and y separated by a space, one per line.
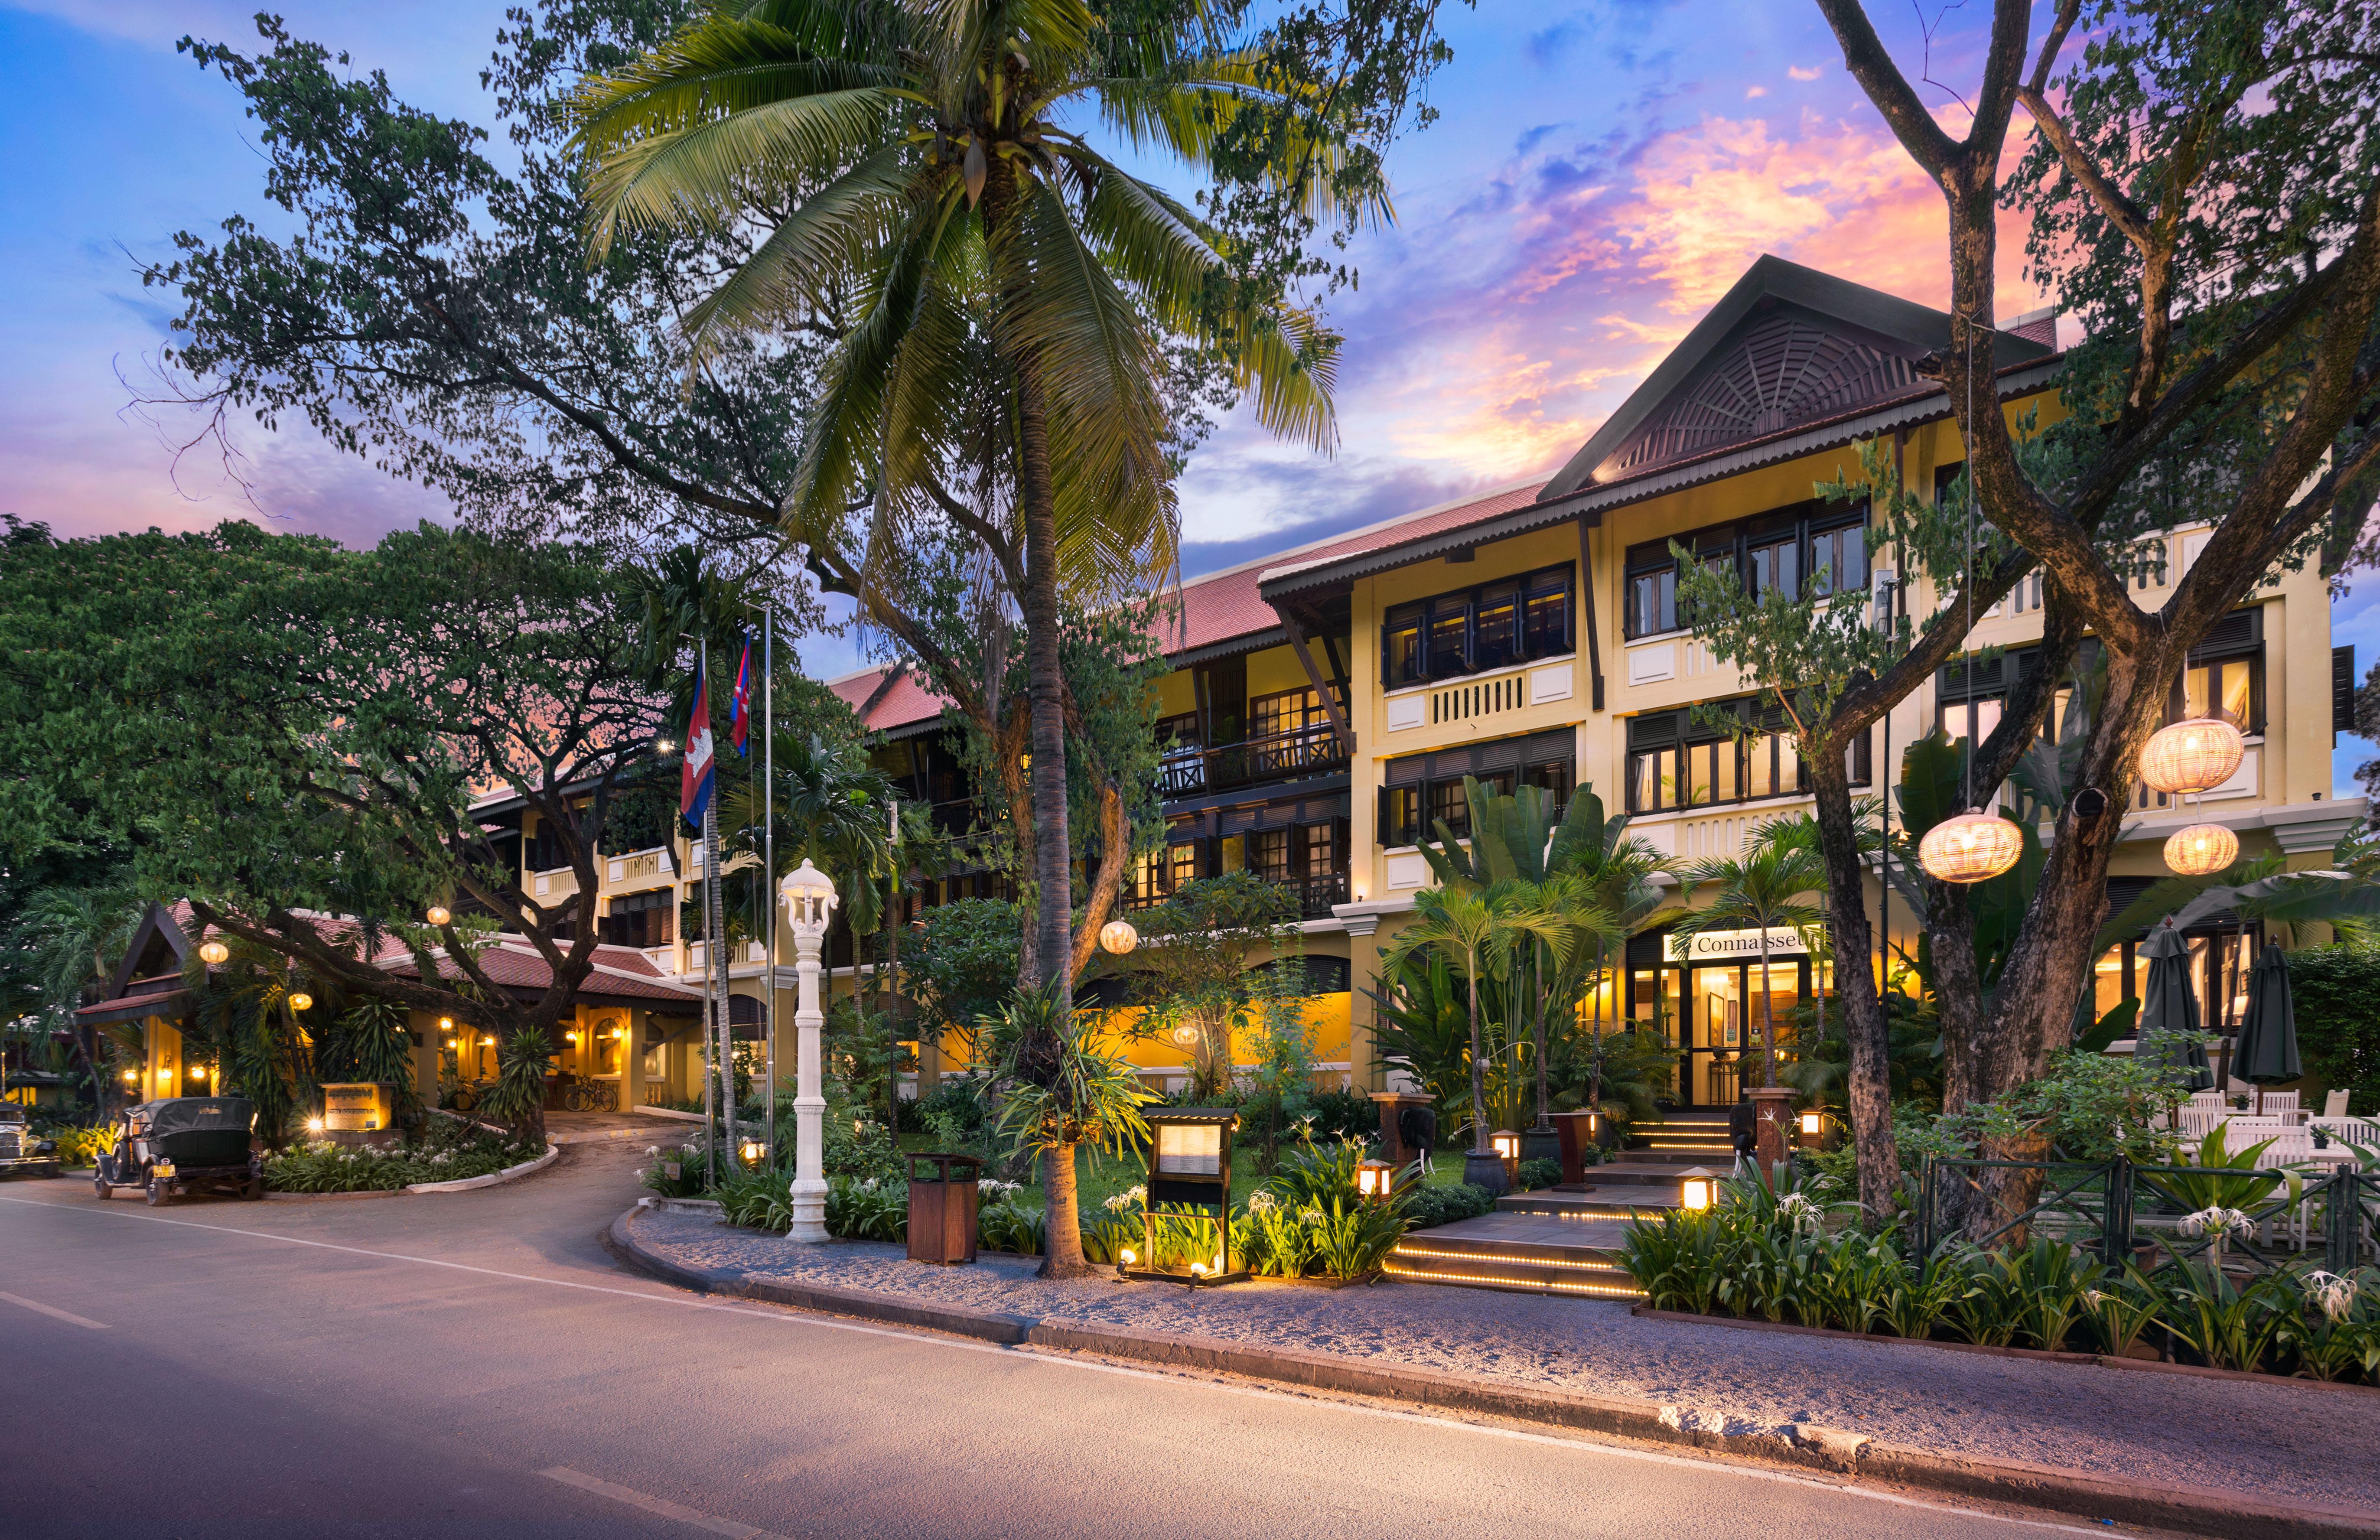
pixel 1184 1037
pixel 2195 756
pixel 438 914
pixel 213 954
pixel 1973 847
pixel 2202 850
pixel 1118 937
pixel 300 1000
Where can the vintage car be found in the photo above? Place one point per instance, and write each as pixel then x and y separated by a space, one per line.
pixel 184 1144
pixel 20 1152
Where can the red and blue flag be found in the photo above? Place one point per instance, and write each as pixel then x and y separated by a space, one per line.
pixel 695 778
pixel 739 719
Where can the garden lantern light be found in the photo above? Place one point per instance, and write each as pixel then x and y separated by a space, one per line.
pixel 1973 847
pixel 198 1071
pixel 809 897
pixel 1118 937
pixel 1184 1037
pixel 2195 756
pixel 1697 1189
pixel 313 1125
pixel 753 1151
pixel 132 1077
pixel 213 954
pixel 1189 1178
pixel 300 1000
pixel 2202 849
pixel 1374 1179
pixel 1813 1123
pixel 1507 1145
pixel 439 915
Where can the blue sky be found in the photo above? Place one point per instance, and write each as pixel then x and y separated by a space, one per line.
pixel 1598 174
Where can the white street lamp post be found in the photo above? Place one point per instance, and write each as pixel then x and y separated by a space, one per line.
pixel 809 899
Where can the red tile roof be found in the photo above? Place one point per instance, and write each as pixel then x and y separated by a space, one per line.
pixel 512 965
pixel 1218 607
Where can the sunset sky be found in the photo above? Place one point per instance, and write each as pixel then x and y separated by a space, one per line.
pixel 1599 175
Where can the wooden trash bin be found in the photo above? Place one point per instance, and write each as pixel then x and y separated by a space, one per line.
pixel 941 1206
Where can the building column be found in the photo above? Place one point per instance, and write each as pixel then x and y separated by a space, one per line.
pixel 1363 967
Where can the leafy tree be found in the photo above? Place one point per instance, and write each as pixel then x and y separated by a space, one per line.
pixel 281 731
pixel 1477 932
pixel 962 965
pixel 2203 202
pixel 1193 966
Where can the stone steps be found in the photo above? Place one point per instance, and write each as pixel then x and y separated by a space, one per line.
pixel 1521 1250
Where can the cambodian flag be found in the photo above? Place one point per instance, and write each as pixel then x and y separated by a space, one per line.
pixel 695 778
pixel 739 719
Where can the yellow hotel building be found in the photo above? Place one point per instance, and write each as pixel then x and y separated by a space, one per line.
pixel 1326 701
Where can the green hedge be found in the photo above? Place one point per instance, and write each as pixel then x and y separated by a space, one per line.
pixel 2338 996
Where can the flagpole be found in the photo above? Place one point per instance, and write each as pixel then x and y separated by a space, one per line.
pixel 710 937
pixel 768 855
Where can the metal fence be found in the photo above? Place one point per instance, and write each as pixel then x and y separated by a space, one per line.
pixel 2113 1208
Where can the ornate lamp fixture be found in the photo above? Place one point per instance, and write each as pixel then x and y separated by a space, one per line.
pixel 1118 937
pixel 809 897
pixel 300 1000
pixel 2195 756
pixel 1973 847
pixel 2202 849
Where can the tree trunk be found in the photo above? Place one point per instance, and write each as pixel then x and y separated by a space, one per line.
pixel 1869 1085
pixel 1062 1253
pixel 1478 1072
pixel 1538 990
pixel 1767 1019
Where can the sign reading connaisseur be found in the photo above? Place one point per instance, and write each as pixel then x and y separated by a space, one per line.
pixel 1732 946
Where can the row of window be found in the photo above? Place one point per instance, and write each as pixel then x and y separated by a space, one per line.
pixel 1810 548
pixel 1296 853
pixel 1473 630
pixel 1412 812
pixel 1675 761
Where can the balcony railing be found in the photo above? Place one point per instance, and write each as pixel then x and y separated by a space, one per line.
pixel 1314 895
pixel 1186 771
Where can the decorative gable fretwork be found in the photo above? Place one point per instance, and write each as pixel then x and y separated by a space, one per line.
pixel 1780 371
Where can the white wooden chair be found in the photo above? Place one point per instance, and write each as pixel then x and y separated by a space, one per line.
pixel 2277 1101
pixel 2334 1104
pixel 2206 1099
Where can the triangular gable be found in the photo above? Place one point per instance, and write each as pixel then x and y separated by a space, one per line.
pixel 157 947
pixel 1787 346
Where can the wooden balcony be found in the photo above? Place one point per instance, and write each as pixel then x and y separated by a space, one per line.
pixel 1189 772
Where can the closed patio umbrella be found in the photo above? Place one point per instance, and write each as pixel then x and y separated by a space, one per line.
pixel 2169 1030
pixel 2267 1050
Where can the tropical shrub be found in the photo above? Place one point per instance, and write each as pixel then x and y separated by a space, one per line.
pixel 447 1151
pixel 676 1170
pixel 1012 1221
pixel 1536 1174
pixel 1352 1238
pixel 82 1146
pixel 865 1208
pixel 2333 1333
pixel 1341 1114
pixel 1426 1207
pixel 2337 995
pixel 757 1199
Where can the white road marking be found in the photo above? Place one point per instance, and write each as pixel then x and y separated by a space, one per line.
pixel 67 1316
pixel 791 1316
pixel 661 1506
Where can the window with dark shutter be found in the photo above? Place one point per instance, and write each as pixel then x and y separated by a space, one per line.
pixel 2342 690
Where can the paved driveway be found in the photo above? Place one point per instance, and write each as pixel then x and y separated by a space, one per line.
pixel 474 1364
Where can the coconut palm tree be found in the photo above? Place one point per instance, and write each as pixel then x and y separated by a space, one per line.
pixel 1477 932
pixel 1762 890
pixel 1003 285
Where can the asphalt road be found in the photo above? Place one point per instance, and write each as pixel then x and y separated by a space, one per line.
pixel 476 1365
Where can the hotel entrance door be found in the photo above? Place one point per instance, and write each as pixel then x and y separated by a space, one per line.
pixel 1704 996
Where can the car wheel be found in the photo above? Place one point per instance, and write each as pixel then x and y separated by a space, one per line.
pixel 158 1191
pixel 99 1185
pixel 252 1189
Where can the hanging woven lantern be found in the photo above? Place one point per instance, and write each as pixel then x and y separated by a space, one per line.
pixel 2195 756
pixel 1118 937
pixel 2202 850
pixel 1973 847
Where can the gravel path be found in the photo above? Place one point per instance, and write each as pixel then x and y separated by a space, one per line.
pixel 2273 1440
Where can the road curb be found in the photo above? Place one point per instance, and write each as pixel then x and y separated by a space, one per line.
pixel 2195 1510
pixel 493 1179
